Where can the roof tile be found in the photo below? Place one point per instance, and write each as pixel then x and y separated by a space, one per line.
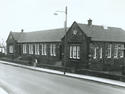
pixel 40 36
pixel 96 32
pixel 99 33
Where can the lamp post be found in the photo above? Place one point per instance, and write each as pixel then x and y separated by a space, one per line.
pixel 65 43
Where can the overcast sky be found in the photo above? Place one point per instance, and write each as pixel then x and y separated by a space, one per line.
pixel 33 15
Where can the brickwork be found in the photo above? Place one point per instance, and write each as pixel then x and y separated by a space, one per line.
pixel 105 63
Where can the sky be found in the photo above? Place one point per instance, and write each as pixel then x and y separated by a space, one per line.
pixel 34 15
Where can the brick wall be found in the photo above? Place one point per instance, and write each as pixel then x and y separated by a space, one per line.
pixel 105 63
pixel 43 59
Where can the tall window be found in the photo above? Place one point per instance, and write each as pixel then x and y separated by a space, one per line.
pixel 71 52
pixel 43 49
pixel 11 49
pixel 75 51
pixel 37 49
pixel 121 50
pixel 78 52
pixel 52 49
pixel 109 50
pixel 24 48
pixel 116 51
pixel 30 48
pixel 95 53
pixel 91 50
pixel 100 52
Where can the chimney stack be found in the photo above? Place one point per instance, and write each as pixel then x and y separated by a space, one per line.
pixel 89 22
pixel 22 30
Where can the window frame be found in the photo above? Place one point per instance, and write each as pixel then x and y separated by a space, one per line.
pixel 95 53
pixel 24 48
pixel 78 52
pixel 100 52
pixel 116 50
pixel 52 49
pixel 31 49
pixel 11 49
pixel 121 51
pixel 109 51
pixel 37 49
pixel 43 49
pixel 74 51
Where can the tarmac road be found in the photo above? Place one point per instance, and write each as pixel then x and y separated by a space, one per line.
pixel 17 80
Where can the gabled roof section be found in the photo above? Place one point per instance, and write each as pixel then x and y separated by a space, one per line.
pixel 16 35
pixel 13 36
pixel 100 33
pixel 95 32
pixel 53 35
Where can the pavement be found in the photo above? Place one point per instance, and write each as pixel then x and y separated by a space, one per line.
pixel 2 91
pixel 78 76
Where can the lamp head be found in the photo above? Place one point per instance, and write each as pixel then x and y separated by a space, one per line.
pixel 55 13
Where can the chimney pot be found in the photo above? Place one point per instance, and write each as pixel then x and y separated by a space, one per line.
pixel 89 22
pixel 22 30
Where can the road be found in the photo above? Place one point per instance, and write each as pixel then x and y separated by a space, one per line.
pixel 17 80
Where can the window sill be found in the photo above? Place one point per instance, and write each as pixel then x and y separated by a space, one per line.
pixel 53 55
pixel 74 58
pixel 43 55
pixel 122 57
pixel 116 57
pixel 108 57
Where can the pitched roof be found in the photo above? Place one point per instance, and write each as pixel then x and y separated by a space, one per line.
pixel 54 35
pixel 96 32
pixel 16 35
pixel 100 33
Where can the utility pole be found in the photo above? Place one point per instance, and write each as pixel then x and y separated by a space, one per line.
pixel 65 40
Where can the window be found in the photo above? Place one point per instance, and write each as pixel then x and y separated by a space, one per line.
pixel 78 52
pixel 95 53
pixel 2 50
pixel 91 50
pixel 71 52
pixel 37 49
pixel 100 52
pixel 75 32
pixel 30 48
pixel 11 49
pixel 24 49
pixel 75 52
pixel 121 50
pixel 116 51
pixel 43 51
pixel 109 50
pixel 52 49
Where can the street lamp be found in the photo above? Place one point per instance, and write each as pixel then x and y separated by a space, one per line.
pixel 65 23
pixel 65 43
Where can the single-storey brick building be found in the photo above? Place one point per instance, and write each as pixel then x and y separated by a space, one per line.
pixel 87 46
